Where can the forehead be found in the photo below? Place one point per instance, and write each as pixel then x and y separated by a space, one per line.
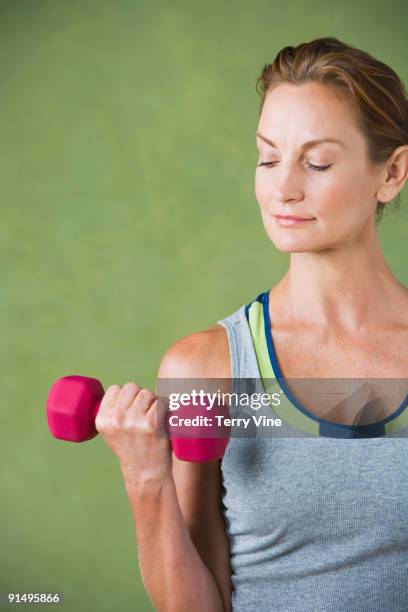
pixel 307 111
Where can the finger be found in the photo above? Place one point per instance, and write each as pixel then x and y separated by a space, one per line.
pixel 127 395
pixel 143 400
pixel 109 399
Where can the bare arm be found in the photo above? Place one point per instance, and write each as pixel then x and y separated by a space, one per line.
pixel 199 493
pixel 173 572
pixel 182 545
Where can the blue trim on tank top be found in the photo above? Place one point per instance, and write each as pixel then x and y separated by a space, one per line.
pixel 327 428
pixel 373 429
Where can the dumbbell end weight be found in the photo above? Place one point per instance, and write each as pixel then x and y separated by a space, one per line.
pixel 199 450
pixel 72 405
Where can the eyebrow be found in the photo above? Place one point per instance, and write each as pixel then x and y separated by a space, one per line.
pixel 305 145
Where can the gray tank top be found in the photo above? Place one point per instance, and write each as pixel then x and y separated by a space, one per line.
pixel 315 524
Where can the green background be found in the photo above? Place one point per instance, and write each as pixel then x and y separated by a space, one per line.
pixel 129 220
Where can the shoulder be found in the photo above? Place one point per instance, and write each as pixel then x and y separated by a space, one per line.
pixel 201 354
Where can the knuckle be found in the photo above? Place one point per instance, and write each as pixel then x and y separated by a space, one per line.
pixel 131 386
pixel 107 424
pixel 112 388
pixel 146 393
pixel 130 426
pixel 127 394
pixel 114 423
pixel 150 425
pixel 148 429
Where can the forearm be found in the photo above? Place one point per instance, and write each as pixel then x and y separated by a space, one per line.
pixel 172 570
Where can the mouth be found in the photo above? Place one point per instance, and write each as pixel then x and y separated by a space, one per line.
pixel 291 220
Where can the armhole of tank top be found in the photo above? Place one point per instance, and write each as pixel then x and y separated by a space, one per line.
pixel 232 346
pixel 229 323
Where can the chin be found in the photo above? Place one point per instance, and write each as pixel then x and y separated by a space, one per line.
pixel 292 244
pixel 293 249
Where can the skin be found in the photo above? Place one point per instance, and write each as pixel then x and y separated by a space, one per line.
pixel 338 253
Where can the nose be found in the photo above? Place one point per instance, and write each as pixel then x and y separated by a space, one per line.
pixel 285 185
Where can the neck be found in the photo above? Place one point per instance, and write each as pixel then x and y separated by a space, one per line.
pixel 348 288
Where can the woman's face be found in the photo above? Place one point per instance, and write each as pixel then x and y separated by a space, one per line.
pixel 339 200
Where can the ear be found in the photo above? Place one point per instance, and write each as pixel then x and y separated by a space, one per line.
pixel 395 174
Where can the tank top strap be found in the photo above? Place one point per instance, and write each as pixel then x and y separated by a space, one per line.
pixel 242 353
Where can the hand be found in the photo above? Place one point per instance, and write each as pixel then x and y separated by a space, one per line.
pixel 132 422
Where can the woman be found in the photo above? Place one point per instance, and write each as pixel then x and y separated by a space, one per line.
pixel 311 519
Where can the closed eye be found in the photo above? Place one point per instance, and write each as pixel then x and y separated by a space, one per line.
pixel 313 167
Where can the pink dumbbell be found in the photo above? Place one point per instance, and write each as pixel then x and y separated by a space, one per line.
pixel 73 403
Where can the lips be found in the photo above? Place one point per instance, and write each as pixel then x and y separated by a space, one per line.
pixel 289 221
pixel 293 218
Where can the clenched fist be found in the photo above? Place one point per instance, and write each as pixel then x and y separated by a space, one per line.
pixel 131 419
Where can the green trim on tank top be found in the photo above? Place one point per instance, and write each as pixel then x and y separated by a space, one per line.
pixel 286 410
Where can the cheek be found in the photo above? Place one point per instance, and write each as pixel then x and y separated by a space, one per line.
pixel 341 202
pixel 262 190
pixel 331 198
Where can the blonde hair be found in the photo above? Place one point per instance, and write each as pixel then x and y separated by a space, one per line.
pixel 377 93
